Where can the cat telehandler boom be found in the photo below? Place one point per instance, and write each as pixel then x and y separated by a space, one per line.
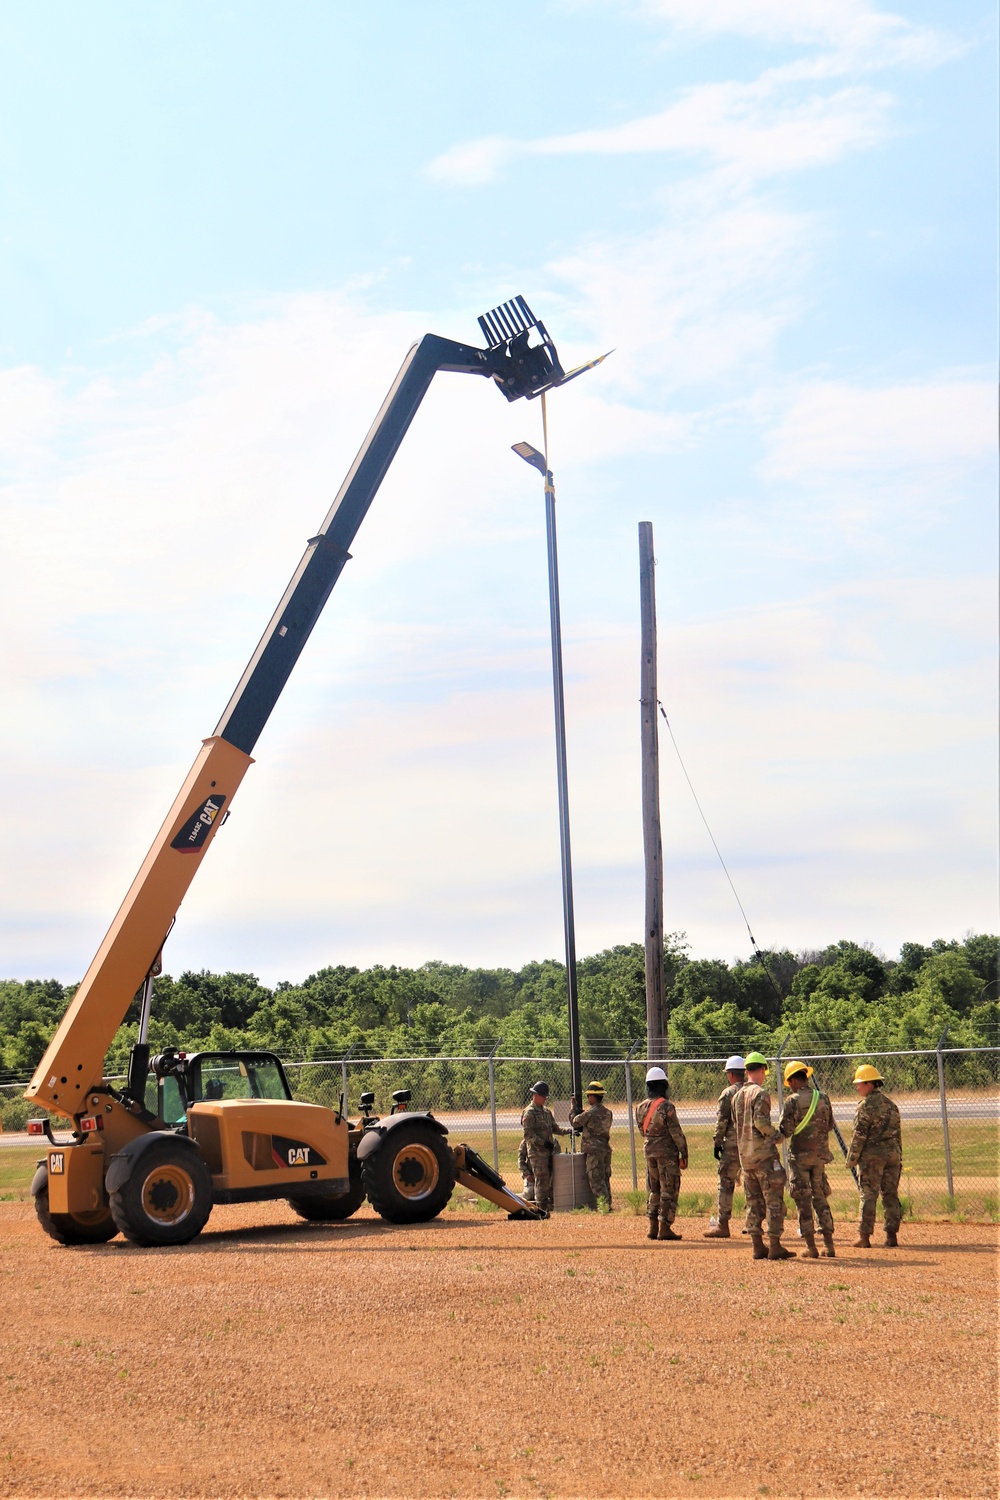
pixel 225 1128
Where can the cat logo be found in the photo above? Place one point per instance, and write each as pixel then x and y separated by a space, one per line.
pixel 194 831
pixel 298 1156
pixel 56 1163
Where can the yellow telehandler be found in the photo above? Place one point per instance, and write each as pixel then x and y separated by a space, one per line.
pixel 225 1128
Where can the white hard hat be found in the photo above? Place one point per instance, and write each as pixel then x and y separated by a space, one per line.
pixel 656 1075
pixel 735 1064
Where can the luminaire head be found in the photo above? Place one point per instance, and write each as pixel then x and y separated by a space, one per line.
pixel 530 455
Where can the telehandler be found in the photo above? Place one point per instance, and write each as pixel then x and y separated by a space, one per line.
pixel 225 1128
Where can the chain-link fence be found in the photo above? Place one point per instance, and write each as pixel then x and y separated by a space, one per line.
pixel 949 1100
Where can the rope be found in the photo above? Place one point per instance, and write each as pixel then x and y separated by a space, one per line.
pixel 753 941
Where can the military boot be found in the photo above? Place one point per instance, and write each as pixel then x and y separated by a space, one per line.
pixel 651 1231
pixel 759 1253
pixel 890 1239
pixel 720 1232
pixel 810 1238
pixel 777 1251
pixel 666 1233
pixel 863 1241
pixel 829 1252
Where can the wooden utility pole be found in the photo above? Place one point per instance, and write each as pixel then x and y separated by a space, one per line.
pixel 656 1013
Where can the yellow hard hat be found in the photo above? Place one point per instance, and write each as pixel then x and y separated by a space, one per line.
pixel 595 1088
pixel 867 1074
pixel 791 1068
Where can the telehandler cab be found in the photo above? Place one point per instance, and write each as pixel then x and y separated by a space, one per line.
pixel 225 1127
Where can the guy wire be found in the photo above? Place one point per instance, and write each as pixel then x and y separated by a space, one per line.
pixel 753 941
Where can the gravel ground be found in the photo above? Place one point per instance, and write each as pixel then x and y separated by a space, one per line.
pixel 477 1357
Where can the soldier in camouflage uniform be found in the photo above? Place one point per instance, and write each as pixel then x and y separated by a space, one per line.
pixel 594 1125
pixel 876 1150
pixel 540 1131
pixel 725 1149
pixel 666 1152
pixel 806 1120
pixel 763 1174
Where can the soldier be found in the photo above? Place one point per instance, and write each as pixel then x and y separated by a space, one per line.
pixel 540 1130
pixel 763 1174
pixel 666 1151
pixel 876 1150
pixel 725 1149
pixel 807 1119
pixel 594 1124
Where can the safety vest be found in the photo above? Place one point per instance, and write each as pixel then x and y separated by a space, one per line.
pixel 647 1117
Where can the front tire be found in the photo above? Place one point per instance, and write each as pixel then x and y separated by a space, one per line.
pixel 167 1199
pixel 330 1210
pixel 75 1229
pixel 410 1178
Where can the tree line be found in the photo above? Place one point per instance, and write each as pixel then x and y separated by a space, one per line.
pixel 847 997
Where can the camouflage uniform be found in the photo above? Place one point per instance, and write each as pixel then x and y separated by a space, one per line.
pixel 666 1147
pixel 594 1124
pixel 763 1174
pixel 876 1150
pixel 540 1130
pixel 527 1176
pixel 810 1152
pixel 729 1161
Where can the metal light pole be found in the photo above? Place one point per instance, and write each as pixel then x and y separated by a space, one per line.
pixel 540 462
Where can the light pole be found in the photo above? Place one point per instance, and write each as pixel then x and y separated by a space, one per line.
pixel 540 462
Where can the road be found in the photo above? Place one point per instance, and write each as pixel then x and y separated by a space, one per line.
pixel 476 1122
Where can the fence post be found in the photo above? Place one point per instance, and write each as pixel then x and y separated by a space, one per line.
pixel 944 1113
pixel 493 1108
pixel 781 1097
pixel 343 1081
pixel 631 1118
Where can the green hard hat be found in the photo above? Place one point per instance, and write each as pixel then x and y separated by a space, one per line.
pixel 756 1060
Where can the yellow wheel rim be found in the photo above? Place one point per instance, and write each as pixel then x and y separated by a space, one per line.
pixel 415 1171
pixel 168 1195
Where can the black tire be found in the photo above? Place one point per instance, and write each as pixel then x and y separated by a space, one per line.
pixel 75 1229
pixel 410 1178
pixel 328 1210
pixel 167 1199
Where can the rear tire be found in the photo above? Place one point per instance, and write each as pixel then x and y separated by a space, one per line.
pixel 410 1178
pixel 75 1229
pixel 167 1199
pixel 329 1210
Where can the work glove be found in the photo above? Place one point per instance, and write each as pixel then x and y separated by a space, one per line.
pixel 575 1105
pixel 717 1152
pixel 684 1164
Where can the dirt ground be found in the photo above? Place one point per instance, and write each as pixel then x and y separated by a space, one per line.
pixel 478 1357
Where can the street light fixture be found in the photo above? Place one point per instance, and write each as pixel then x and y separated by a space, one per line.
pixel 539 461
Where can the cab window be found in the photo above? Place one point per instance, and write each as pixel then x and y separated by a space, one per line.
pixel 248 1076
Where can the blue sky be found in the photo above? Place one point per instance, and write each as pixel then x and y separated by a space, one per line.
pixel 224 225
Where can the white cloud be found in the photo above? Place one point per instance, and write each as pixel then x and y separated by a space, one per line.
pixel 849 26
pixel 751 130
pixel 755 130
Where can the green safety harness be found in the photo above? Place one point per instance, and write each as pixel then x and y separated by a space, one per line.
pixel 809 1112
